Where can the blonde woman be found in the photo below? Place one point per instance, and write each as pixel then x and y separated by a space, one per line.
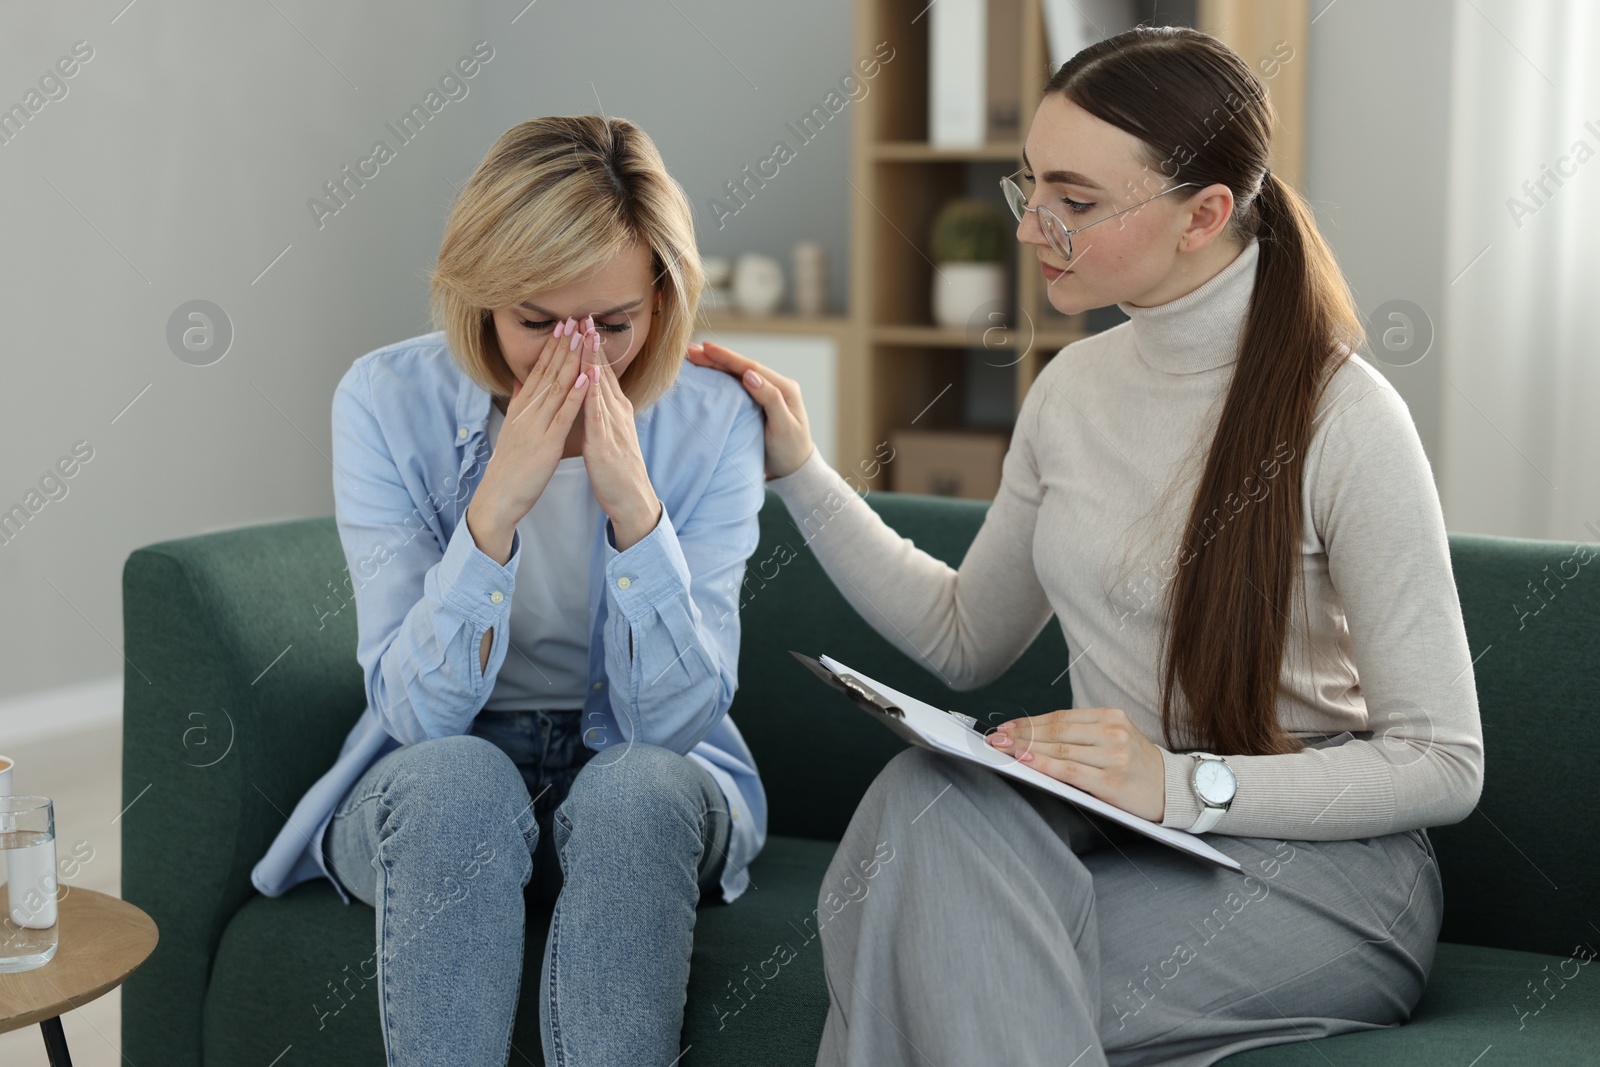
pixel 547 515
pixel 1231 516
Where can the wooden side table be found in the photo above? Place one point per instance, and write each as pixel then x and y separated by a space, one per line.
pixel 102 941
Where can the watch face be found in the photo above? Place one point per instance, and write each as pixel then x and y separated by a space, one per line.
pixel 1214 781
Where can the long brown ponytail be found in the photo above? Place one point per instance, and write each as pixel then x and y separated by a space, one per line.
pixel 1204 117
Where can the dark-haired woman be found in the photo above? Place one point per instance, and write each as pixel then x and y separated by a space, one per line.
pixel 1231 514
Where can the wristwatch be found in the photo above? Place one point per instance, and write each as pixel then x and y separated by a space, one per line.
pixel 1214 784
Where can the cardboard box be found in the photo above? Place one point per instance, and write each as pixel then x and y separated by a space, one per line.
pixel 960 463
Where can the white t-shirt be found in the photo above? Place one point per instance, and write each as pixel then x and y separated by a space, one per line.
pixel 547 663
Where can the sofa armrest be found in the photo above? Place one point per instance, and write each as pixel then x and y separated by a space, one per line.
pixel 241 682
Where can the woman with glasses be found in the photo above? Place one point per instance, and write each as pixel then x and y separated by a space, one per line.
pixel 1231 515
pixel 546 513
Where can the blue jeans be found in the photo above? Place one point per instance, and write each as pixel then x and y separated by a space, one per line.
pixel 448 834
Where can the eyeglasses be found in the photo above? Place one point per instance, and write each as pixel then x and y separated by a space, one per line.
pixel 1055 231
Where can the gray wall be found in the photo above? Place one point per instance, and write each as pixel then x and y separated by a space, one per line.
pixel 1378 97
pixel 713 84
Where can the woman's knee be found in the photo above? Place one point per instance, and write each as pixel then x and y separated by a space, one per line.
pixel 460 784
pixel 916 776
pixel 918 765
pixel 636 787
pixel 900 799
pixel 939 810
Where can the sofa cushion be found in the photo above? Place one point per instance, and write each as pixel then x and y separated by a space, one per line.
pixel 297 970
pixel 311 952
pixel 1479 1008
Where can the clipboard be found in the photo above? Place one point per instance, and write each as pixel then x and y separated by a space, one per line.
pixel 955 734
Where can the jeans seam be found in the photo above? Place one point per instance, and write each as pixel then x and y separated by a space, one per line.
pixel 706 846
pixel 328 842
pixel 552 1011
pixel 511 1019
pixel 383 983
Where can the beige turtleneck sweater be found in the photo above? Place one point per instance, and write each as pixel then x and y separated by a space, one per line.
pixel 1101 470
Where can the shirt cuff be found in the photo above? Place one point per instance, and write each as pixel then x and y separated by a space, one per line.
pixel 474 585
pixel 1183 807
pixel 647 572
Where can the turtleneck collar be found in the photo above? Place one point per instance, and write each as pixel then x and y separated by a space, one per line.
pixel 1201 330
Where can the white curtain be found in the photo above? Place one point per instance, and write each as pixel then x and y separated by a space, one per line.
pixel 1520 338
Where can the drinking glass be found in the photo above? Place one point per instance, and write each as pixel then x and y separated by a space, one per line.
pixel 27 882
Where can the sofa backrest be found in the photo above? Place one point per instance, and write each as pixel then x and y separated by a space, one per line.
pixel 1519 872
pixel 817 753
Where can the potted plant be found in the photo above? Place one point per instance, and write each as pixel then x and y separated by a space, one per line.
pixel 968 243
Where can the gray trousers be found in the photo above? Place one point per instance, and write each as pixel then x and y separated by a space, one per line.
pixel 966 919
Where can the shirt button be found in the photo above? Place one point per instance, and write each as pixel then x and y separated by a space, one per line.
pixel 496 596
pixel 599 685
pixel 461 433
pixel 624 582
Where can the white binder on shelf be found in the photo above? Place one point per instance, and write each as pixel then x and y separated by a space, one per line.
pixel 958 735
pixel 957 81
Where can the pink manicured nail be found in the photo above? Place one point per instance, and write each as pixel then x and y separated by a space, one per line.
pixel 752 379
pixel 594 341
pixel 559 327
pixel 581 381
pixel 588 322
pixel 577 339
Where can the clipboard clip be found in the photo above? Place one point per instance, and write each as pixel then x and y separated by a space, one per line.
pixel 852 687
pixel 856 690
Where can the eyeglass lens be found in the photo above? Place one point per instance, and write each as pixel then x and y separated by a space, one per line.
pixel 1018 192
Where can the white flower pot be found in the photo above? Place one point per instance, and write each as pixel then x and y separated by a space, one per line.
pixel 757 284
pixel 960 290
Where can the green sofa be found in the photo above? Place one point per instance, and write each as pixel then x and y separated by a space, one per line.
pixel 242 681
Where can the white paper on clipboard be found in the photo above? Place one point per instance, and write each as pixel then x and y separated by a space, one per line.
pixel 925 725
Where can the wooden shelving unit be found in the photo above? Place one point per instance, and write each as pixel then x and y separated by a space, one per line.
pixel 899 368
pixel 732 321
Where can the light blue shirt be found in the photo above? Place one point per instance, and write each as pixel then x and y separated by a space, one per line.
pixel 410 445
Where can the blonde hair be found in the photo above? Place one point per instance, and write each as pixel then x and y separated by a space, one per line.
pixel 554 200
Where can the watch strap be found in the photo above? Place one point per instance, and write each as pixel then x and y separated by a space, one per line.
pixel 1209 817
